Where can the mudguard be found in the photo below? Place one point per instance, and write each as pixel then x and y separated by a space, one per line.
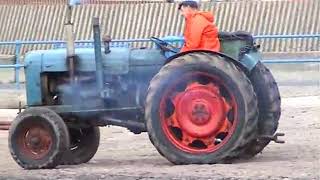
pixel 246 63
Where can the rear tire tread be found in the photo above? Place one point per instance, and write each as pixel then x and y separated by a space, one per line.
pixel 269 103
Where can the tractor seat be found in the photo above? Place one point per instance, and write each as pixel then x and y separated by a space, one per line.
pixel 239 35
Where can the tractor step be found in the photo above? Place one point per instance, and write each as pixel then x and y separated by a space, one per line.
pixel 274 138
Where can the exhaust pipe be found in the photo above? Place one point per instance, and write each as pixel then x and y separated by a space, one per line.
pixel 98 55
pixel 69 35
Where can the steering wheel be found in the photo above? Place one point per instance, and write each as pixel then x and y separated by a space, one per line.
pixel 164 45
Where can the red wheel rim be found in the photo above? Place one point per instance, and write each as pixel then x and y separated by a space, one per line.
pixel 198 113
pixel 35 141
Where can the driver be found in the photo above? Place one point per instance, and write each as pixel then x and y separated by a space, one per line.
pixel 200 31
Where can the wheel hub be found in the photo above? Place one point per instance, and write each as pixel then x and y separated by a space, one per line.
pixel 199 110
pixel 201 113
pixel 199 120
pixel 36 142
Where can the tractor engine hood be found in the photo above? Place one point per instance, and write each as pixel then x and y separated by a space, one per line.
pixel 117 62
pixel 55 60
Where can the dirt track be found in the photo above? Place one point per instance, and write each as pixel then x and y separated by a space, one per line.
pixel 123 155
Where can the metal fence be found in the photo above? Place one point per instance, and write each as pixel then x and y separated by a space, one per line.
pixel 18 47
pixel 48 2
pixel 124 21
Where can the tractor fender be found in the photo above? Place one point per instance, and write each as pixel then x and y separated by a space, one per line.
pixel 234 61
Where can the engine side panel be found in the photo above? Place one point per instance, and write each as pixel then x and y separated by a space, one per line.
pixel 33 69
pixel 126 69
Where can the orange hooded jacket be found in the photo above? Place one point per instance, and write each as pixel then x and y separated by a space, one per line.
pixel 201 33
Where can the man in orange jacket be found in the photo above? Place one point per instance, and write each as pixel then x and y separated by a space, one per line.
pixel 200 31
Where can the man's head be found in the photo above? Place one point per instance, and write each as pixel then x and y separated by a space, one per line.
pixel 188 7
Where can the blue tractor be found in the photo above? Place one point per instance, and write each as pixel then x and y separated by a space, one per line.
pixel 198 107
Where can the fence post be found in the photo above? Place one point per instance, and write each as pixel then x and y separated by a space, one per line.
pixel 17 62
pixel 318 45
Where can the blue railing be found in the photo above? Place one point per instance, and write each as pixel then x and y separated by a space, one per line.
pixel 18 47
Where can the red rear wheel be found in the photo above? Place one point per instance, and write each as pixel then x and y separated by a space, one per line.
pixel 199 118
pixel 200 109
pixel 269 103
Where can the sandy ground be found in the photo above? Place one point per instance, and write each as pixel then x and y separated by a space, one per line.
pixel 123 155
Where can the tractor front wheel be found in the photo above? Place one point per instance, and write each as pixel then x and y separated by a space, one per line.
pixel 38 137
pixel 84 143
pixel 200 109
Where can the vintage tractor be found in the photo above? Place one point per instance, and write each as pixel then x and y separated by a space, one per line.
pixel 198 107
